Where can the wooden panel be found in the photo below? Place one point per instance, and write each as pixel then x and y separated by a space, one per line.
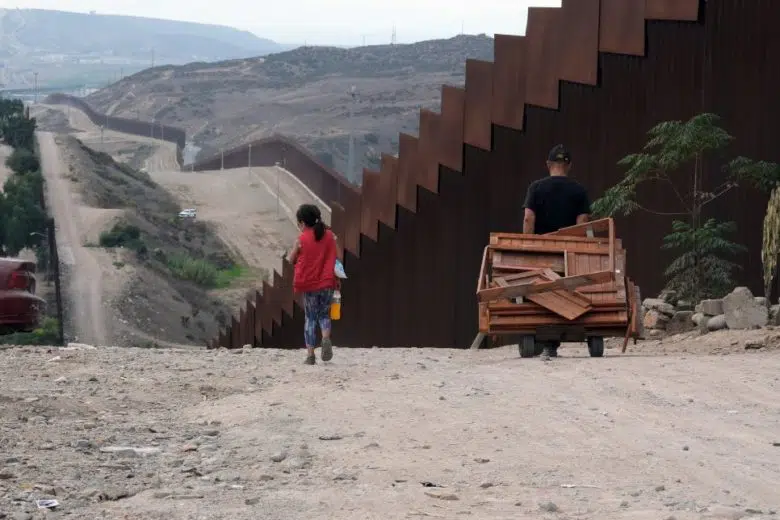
pixel 605 319
pixel 408 157
pixel 561 302
pixel 478 130
pixel 453 106
pixel 578 51
pixel 428 172
pixel 369 209
pixel 286 288
pixel 388 190
pixel 509 79
pixel 543 35
pixel 622 27
pixel 351 238
pixel 508 260
pixel 570 282
pixel 683 10
pixel 338 224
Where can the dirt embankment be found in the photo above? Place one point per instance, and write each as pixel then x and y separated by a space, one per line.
pixel 157 299
pixel 153 434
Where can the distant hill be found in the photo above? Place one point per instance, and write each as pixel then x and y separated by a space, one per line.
pixel 41 31
pixel 302 93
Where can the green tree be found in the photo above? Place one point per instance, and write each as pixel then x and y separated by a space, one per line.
pixel 674 157
pixel 23 160
pixel 21 214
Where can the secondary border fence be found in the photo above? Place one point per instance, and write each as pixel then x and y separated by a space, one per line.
pixel 152 129
pixel 411 238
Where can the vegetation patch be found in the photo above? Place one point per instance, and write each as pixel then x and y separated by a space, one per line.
pixel 47 334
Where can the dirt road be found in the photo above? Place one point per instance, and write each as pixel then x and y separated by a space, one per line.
pixel 394 434
pixel 243 207
pixel 82 269
pixel 138 151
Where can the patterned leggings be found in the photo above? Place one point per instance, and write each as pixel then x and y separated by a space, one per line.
pixel 316 305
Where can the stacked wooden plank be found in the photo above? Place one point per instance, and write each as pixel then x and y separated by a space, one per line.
pixel 571 281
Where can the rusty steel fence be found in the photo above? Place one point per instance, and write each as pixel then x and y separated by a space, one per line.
pixel 594 75
pixel 151 129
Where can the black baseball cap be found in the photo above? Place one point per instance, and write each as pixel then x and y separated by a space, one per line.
pixel 559 154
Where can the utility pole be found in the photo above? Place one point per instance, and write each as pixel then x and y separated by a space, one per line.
pixel 278 176
pixel 36 87
pixel 222 159
pixel 351 159
pixel 249 162
pixel 101 134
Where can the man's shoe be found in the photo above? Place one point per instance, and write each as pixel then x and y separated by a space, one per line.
pixel 310 360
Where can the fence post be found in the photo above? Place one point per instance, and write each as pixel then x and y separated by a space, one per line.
pixel 54 260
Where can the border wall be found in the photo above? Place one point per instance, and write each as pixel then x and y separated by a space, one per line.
pixel 412 237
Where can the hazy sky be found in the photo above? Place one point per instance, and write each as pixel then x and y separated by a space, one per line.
pixel 339 22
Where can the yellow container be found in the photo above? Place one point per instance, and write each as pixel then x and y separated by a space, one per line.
pixel 335 306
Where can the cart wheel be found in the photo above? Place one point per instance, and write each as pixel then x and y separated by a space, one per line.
pixel 527 347
pixel 596 346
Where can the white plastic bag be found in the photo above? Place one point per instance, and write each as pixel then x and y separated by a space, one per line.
pixel 338 269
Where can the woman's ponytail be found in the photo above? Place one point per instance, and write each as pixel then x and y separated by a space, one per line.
pixel 319 230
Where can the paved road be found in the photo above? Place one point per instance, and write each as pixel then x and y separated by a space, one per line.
pixel 83 277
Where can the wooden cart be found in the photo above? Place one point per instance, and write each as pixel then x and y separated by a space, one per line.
pixel 569 285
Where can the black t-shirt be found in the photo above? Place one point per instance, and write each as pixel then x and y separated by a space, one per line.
pixel 557 202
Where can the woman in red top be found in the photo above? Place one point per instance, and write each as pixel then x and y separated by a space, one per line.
pixel 314 256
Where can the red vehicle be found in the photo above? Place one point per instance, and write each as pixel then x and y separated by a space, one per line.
pixel 20 308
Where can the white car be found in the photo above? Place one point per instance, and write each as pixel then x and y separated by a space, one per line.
pixel 188 213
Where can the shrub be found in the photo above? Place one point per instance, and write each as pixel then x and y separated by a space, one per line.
pixel 123 235
pixel 47 334
pixel 23 161
pixel 195 270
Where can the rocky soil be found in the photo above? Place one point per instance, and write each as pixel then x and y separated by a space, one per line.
pixel 681 428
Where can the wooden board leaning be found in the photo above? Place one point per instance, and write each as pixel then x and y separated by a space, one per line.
pixel 569 285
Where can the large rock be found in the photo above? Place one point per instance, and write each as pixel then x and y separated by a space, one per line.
pixel 716 323
pixel 657 304
pixel 655 320
pixel 743 311
pixel 774 315
pixel 681 322
pixel 710 307
pixel 668 296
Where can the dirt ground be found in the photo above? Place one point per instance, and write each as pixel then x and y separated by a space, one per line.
pixel 90 281
pixel 242 204
pixel 136 151
pixel 685 429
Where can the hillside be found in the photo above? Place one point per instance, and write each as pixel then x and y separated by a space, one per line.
pixel 154 265
pixel 303 93
pixel 61 45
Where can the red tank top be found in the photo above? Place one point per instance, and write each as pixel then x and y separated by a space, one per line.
pixel 315 263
